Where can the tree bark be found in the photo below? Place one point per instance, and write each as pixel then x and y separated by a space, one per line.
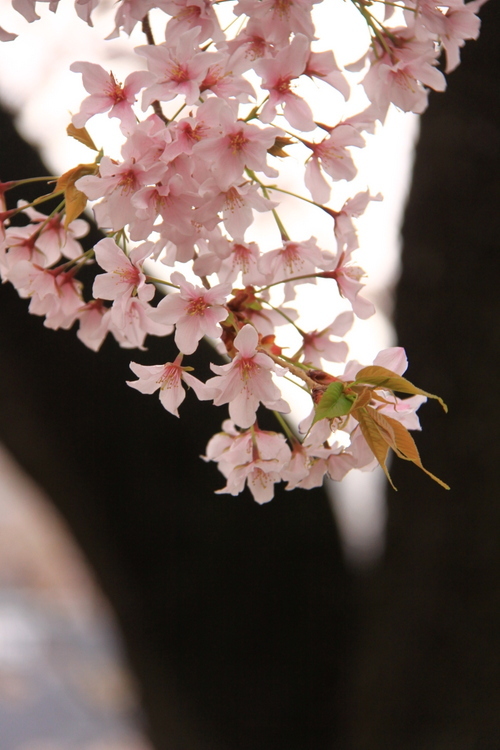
pixel 428 665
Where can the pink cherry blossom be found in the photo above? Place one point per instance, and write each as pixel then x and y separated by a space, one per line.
pixel 347 275
pixel 246 381
pixel 50 235
pixel 168 379
pixel 188 14
pixel 84 9
pixel 318 344
pixel 315 457
pixel 293 259
pixel 332 156
pixel 255 458
pixel 322 65
pixel 187 186
pixel 236 205
pixel 250 44
pixel 280 17
pixel 345 231
pixel 107 94
pixel 401 77
pixel 6 36
pixel 117 184
pixel 131 320
pixel 55 294
pixel 125 277
pixel 196 312
pixel 27 8
pixel 240 145
pixel 94 321
pixel 19 244
pixel 224 80
pixel 243 258
pixel 128 14
pixel 171 201
pixel 178 66
pixel 453 23
pixel 277 76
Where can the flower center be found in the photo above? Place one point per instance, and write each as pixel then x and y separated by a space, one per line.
pixel 291 258
pixel 170 377
pixel 282 8
pixel 129 274
pixel 237 141
pixel 247 368
pixel 115 90
pixel 283 85
pixel 197 306
pixel 178 73
pixel 233 200
pixel 241 257
pixel 127 182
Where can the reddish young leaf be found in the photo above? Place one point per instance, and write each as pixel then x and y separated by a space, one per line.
pixel 75 199
pixel 376 437
pixel 381 377
pixel 399 439
pixel 81 134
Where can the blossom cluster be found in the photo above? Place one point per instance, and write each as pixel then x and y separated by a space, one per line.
pixel 206 121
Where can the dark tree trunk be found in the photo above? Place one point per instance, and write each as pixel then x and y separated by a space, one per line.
pixel 428 675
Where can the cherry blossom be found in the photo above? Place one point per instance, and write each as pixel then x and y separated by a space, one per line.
pixel 107 94
pixel 178 67
pixel 132 320
pixel 401 75
pixel 247 381
pixel 332 156
pixel 277 76
pixel 168 379
pixel 94 321
pixel 255 457
pixel 347 275
pixel 117 184
pixel 280 18
pixel 195 311
pixel 345 231
pixel 240 145
pixel 318 344
pixel 235 204
pixel 53 293
pixel 188 14
pixel 220 105
pixel 125 277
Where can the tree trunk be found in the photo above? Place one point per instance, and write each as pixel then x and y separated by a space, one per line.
pixel 428 671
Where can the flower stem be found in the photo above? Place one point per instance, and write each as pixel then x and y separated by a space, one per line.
pixel 292 278
pixel 286 427
pixel 284 234
pixel 153 280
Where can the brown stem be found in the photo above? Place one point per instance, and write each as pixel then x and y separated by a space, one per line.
pixel 291 367
pixel 146 28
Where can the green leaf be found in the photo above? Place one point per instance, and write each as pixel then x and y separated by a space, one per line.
pixel 334 402
pixel 381 377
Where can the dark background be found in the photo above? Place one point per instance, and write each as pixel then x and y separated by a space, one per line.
pixel 242 623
